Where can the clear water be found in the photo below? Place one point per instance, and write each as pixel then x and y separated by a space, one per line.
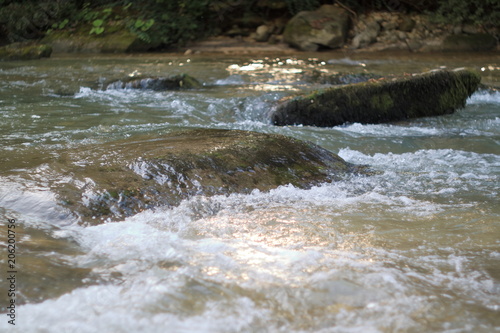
pixel 415 248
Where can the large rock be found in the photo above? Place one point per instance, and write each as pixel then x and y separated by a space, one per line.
pixel 126 177
pixel 120 41
pixel 25 51
pixel 183 81
pixel 367 36
pixel 423 95
pixel 326 27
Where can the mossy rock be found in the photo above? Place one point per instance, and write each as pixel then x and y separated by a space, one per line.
pixel 25 51
pixel 120 41
pixel 473 42
pixel 424 95
pixel 182 81
pixel 123 178
pixel 325 27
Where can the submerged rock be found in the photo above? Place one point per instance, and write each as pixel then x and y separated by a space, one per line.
pixel 130 176
pixel 423 95
pixel 326 27
pixel 155 83
pixel 25 51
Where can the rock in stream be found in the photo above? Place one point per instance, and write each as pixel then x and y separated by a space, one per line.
pixel 119 179
pixel 379 101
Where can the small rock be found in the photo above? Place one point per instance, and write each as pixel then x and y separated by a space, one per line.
pixel 457 29
pixel 389 25
pixel 470 29
pixel 413 44
pixel 406 24
pixel 236 31
pixel 275 39
pixel 262 33
pixel 402 35
pixel 368 36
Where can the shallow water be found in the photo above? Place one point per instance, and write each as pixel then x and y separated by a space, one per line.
pixel 415 248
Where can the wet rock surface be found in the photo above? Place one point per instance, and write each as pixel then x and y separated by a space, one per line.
pixel 123 178
pixel 155 83
pixel 379 101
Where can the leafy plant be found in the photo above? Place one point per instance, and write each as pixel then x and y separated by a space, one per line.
pixel 484 12
pixel 98 27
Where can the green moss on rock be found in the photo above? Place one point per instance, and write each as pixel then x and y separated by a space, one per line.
pixel 423 95
pixel 120 40
pixel 25 51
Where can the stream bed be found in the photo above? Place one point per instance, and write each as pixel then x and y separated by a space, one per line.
pixel 413 248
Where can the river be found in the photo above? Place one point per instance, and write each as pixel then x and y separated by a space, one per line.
pixel 413 248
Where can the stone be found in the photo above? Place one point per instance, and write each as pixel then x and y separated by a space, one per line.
pixel 470 29
pixel 380 101
pixel 367 36
pixel 457 30
pixel 406 24
pixel 414 44
pixel 25 51
pixel 122 178
pixel 262 33
pixel 468 43
pixel 181 81
pixel 236 31
pixel 402 35
pixel 121 41
pixel 325 27
pixel 389 25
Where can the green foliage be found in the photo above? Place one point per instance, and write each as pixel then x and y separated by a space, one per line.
pixel 173 22
pixel 485 12
pixel 97 27
pixel 295 6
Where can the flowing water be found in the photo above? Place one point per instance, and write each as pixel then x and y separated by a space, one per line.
pixel 414 248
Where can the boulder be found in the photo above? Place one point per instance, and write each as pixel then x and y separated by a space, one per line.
pixel 121 41
pixel 423 95
pixel 183 81
pixel 25 51
pixel 262 33
pixel 122 178
pixel 406 24
pixel 326 27
pixel 473 42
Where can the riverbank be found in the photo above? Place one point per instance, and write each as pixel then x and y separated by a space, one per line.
pixel 339 30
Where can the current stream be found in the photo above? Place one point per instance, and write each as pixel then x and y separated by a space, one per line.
pixel 415 248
